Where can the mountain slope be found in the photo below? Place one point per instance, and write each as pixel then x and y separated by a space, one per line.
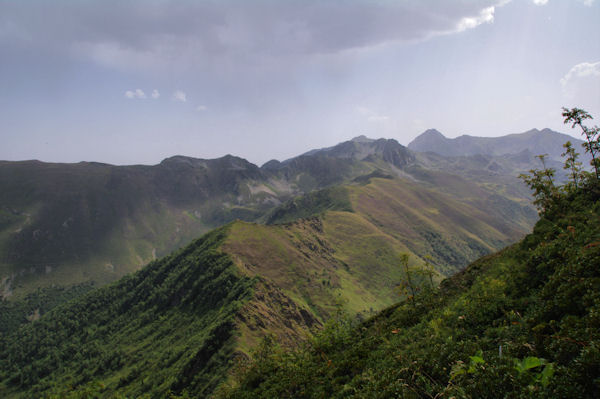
pixel 176 324
pixel 534 141
pixel 352 252
pixel 65 224
pixel 166 327
pixel 523 321
pixel 70 223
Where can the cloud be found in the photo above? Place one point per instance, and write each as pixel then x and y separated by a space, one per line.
pixel 581 85
pixel 155 94
pixel 201 108
pixel 588 3
pixel 137 93
pixel 371 115
pixel 179 95
pixel 166 33
pixel 540 2
pixel 582 70
pixel 485 16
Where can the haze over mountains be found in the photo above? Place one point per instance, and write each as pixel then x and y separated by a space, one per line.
pixel 301 239
pixel 68 223
pixel 185 214
pixel 534 141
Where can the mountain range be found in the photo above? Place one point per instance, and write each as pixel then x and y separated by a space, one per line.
pixel 348 228
pixel 533 141
pixel 70 223
pixel 520 323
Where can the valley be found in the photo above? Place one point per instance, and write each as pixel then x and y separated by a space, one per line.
pixel 64 224
pixel 299 199
pixel 300 245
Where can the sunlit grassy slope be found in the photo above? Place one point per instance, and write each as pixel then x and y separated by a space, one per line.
pixel 351 254
pixel 521 323
pixel 64 224
pixel 176 324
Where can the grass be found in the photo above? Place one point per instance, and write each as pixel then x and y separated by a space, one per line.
pixel 523 321
pixel 177 323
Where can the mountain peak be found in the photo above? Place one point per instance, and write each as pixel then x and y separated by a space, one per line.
pixel 432 133
pixel 429 140
pixel 362 139
pixel 535 140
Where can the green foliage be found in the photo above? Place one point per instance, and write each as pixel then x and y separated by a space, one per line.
pixel 541 181
pixel 312 204
pixel 416 279
pixel 16 312
pixel 546 194
pixel 168 328
pixel 573 166
pixel 524 321
pixel 576 116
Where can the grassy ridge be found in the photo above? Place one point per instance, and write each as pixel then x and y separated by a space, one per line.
pixel 310 261
pixel 350 252
pixel 311 204
pixel 523 321
pixel 430 222
pixel 65 224
pixel 167 328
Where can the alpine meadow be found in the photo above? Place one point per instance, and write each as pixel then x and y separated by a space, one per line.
pixel 316 199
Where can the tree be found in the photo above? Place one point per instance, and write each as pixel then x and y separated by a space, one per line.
pixel 576 116
pixel 541 181
pixel 407 285
pixel 572 164
pixel 429 271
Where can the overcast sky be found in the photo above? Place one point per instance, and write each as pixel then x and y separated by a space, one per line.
pixel 129 82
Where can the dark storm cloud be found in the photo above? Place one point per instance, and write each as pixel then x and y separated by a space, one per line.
pixel 138 32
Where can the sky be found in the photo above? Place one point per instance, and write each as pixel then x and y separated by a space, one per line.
pixel 137 81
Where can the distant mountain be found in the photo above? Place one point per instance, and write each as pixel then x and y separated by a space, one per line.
pixel 175 325
pixel 297 241
pixel 68 223
pixel 63 224
pixel 535 141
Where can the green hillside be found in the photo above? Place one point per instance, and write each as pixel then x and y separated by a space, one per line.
pixel 207 316
pixel 71 223
pixel 349 248
pixel 176 324
pixel 165 328
pixel 521 323
pixel 62 225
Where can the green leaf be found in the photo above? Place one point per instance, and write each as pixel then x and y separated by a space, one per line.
pixel 457 369
pixel 528 363
pixel 477 359
pixel 546 374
